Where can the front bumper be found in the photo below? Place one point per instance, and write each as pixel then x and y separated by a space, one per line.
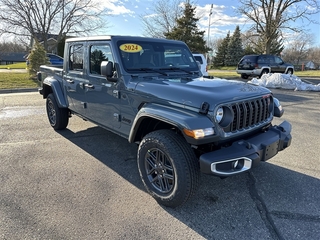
pixel 244 154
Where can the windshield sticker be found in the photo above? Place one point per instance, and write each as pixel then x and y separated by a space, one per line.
pixel 130 47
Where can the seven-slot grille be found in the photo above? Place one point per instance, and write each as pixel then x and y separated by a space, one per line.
pixel 249 113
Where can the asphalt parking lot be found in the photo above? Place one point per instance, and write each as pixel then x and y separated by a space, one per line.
pixel 83 183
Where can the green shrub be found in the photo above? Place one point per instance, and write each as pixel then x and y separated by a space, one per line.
pixel 36 58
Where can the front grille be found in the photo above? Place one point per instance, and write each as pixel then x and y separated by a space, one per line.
pixel 249 113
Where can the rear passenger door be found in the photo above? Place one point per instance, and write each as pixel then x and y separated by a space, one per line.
pixel 75 79
pixel 280 67
pixel 275 64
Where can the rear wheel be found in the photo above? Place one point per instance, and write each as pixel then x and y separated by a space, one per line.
pixel 244 76
pixel 58 117
pixel 168 167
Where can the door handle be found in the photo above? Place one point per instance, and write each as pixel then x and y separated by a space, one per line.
pixel 89 86
pixel 69 80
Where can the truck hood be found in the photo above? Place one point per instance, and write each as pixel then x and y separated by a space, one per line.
pixel 193 93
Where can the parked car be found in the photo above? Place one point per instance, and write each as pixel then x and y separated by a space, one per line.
pixel 55 59
pixel 203 63
pixel 257 65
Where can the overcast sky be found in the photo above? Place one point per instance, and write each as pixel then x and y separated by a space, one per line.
pixel 124 17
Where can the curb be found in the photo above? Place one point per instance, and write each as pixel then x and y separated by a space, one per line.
pixel 18 90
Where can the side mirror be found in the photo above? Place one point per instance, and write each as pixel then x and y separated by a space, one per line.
pixel 106 68
pixel 199 65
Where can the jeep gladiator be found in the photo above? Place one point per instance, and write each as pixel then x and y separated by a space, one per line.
pixel 184 123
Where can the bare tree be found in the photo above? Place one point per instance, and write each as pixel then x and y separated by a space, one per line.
pixel 214 44
pixel 39 18
pixel 11 46
pixel 314 55
pixel 162 19
pixel 298 49
pixel 271 17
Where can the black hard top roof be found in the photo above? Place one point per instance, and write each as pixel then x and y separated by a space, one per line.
pixel 118 37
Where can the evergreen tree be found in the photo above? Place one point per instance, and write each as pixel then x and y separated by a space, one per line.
pixel 36 58
pixel 186 30
pixel 220 58
pixel 235 49
pixel 276 45
pixel 60 46
pixel 248 50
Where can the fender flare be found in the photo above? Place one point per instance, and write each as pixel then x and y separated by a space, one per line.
pixel 56 89
pixel 180 118
pixel 266 67
pixel 291 67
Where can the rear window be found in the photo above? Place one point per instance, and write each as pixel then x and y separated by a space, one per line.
pixel 249 59
pixel 199 59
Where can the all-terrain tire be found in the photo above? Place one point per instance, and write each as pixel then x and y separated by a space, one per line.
pixel 58 117
pixel 168 167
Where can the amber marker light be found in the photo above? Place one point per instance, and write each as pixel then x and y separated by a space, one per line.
pixel 199 133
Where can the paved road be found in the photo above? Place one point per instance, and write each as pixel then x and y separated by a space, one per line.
pixel 83 183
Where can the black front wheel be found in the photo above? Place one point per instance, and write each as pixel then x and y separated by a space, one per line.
pixel 290 71
pixel 264 71
pixel 58 117
pixel 168 167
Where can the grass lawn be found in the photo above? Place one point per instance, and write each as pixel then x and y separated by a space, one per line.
pixel 14 80
pixel 22 65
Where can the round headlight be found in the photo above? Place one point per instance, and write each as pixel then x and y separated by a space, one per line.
pixel 219 114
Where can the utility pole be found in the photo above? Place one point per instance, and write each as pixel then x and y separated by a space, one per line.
pixel 209 30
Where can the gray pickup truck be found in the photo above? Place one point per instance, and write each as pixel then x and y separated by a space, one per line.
pixel 183 123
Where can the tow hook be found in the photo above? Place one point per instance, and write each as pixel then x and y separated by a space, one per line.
pixel 248 145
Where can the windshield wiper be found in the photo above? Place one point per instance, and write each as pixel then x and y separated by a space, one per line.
pixel 176 68
pixel 148 69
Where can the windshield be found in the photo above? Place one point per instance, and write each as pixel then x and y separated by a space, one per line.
pixel 139 56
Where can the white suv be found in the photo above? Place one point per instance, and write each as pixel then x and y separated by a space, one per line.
pixel 203 63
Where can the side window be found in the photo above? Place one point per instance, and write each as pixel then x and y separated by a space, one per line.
pixel 99 53
pixel 263 60
pixel 271 59
pixel 199 59
pixel 278 60
pixel 76 57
